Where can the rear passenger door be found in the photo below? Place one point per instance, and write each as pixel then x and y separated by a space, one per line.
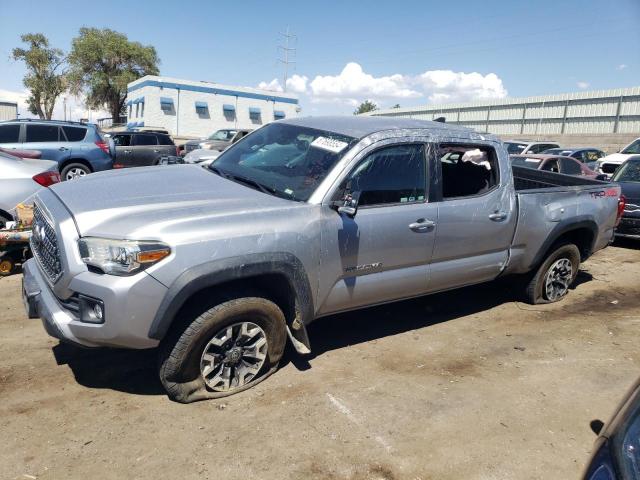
pixel 476 214
pixel 122 144
pixel 144 150
pixel 48 139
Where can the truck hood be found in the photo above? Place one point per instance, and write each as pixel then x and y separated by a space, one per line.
pixel 615 158
pixel 151 200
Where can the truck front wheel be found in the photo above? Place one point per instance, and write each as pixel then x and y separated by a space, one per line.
pixel 227 349
pixel 553 278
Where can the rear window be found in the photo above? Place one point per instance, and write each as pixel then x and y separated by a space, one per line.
pixel 9 133
pixel 165 140
pixel 525 162
pixel 43 133
pixel 144 140
pixel 75 134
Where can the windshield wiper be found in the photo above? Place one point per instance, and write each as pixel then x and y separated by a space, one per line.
pixel 258 186
pixel 217 171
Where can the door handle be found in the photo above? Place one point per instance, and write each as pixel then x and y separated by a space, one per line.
pixel 421 225
pixel 498 216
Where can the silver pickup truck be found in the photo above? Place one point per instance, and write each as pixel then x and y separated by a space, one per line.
pixel 301 219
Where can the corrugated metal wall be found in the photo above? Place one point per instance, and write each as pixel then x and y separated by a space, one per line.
pixel 8 110
pixel 597 112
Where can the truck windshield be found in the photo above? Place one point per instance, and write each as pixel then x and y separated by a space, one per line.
pixel 283 160
pixel 632 149
pixel 514 148
pixel 223 135
pixel 628 172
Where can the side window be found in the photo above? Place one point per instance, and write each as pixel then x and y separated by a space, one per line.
pixel 551 166
pixel 395 174
pixel 42 133
pixel 539 148
pixel 75 134
pixel 164 140
pixel 140 140
pixel 9 133
pixel 122 140
pixel 592 155
pixel 570 167
pixel 467 170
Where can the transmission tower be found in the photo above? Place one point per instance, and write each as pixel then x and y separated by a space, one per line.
pixel 288 54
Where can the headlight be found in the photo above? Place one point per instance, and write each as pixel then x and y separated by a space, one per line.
pixel 204 146
pixel 121 257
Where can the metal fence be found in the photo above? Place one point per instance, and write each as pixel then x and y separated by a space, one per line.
pixel 599 112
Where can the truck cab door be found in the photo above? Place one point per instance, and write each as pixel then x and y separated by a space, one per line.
pixel 382 252
pixel 477 214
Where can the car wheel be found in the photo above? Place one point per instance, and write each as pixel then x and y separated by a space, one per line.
pixel 555 276
pixel 6 267
pixel 74 171
pixel 227 349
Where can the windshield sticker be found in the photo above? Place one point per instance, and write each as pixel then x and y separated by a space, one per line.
pixel 288 191
pixel 329 144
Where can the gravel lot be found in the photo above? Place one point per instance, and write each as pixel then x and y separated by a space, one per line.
pixel 468 384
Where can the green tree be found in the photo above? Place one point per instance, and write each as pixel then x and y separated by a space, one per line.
pixel 45 77
pixel 103 62
pixel 366 106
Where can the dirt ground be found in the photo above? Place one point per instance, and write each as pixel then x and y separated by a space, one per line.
pixel 468 384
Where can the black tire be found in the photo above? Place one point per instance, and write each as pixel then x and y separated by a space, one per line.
pixel 71 168
pixel 536 292
pixel 181 352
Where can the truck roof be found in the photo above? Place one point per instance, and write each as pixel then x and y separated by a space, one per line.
pixel 361 126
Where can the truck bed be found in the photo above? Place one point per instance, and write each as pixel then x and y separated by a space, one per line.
pixel 530 179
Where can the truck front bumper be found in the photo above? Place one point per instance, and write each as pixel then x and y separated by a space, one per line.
pixel 130 304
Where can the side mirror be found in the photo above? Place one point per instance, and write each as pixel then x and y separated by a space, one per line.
pixel 596 426
pixel 348 206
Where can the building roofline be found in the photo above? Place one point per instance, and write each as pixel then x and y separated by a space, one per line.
pixel 560 97
pixel 8 104
pixel 210 87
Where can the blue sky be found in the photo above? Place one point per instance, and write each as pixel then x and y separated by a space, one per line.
pixel 516 48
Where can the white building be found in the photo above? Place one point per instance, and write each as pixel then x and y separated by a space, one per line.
pixel 196 109
pixel 8 110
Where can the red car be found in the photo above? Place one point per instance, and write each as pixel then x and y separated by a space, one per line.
pixel 554 163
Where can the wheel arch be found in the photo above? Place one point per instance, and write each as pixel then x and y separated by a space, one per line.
pixel 281 277
pixel 69 161
pixel 582 233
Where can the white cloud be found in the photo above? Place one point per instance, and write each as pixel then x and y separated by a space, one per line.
pixel 353 85
pixel 273 85
pixel 583 85
pixel 622 66
pixel 447 86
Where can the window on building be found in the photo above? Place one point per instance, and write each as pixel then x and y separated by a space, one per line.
pixel 75 134
pixel 166 105
pixel 9 133
pixel 43 133
pixel 142 108
pixel 395 174
pixel 137 109
pixel 202 109
pixel 467 169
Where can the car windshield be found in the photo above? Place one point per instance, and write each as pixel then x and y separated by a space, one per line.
pixel 515 148
pixel 525 162
pixel 224 135
pixel 558 151
pixel 283 160
pixel 632 149
pixel 628 172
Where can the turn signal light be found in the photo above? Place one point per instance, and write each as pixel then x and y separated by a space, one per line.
pixel 152 256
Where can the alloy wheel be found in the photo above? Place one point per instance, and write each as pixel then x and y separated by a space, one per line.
pixel 75 173
pixel 234 356
pixel 558 279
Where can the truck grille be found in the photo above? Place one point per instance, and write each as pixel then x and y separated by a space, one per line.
pixel 44 245
pixel 609 168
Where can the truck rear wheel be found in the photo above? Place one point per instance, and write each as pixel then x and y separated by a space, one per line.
pixel 227 349
pixel 553 278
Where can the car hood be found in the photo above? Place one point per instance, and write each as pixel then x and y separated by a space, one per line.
pixel 615 158
pixel 142 203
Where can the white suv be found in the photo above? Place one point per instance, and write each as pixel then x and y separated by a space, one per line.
pixel 609 164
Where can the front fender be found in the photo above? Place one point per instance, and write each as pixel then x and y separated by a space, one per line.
pixel 220 271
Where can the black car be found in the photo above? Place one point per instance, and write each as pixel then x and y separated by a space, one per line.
pixel 141 148
pixel 616 454
pixel 628 176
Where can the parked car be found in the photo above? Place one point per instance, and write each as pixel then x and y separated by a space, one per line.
pixel 140 149
pixel 78 148
pixel 628 176
pixel 610 163
pixel 20 179
pixel 590 156
pixel 518 147
pixel 554 163
pixel 303 218
pixel 616 452
pixel 218 140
